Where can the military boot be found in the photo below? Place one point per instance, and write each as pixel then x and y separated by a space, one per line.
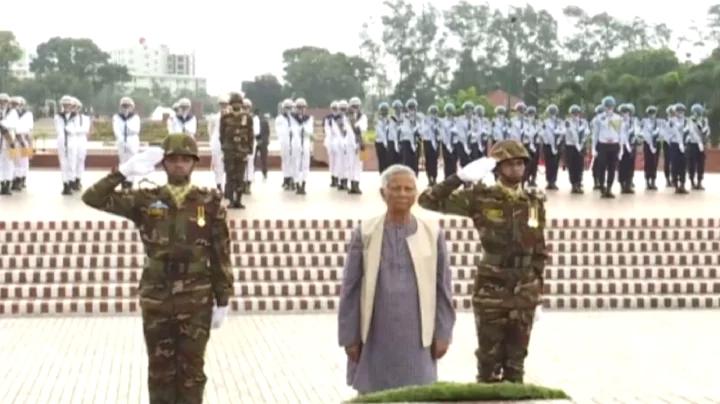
pixel 355 188
pixel 15 184
pixel 219 188
pixel 23 185
pixel 66 189
pixel 343 185
pixel 333 182
pixel 300 188
pixel 286 183
pixel 700 186
pixel 76 184
pixel 680 189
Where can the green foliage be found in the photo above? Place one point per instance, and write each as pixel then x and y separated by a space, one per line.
pixel 265 92
pixel 322 77
pixel 10 52
pixel 449 392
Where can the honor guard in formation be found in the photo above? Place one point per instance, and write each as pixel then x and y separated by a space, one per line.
pixel 382 135
pixel 678 137
pixel 250 165
pixel 464 129
pixel 606 144
pixel 126 127
pixel 501 125
pixel 450 138
pixel 410 136
pixel 628 148
pixel 283 123
pixel 187 279
pixel 651 126
pixel 481 135
pixel 354 144
pixel 216 156
pixel 301 129
pixel 666 134
pixel 554 136
pixel 183 122
pixel 329 142
pixel 8 147
pixel 575 143
pixel 237 141
pixel 509 278
pixel 71 128
pixel 698 137
pixel 23 142
pixel 432 138
pixel 531 139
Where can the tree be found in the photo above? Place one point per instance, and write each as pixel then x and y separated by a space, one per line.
pixel 342 76
pixel 10 53
pixel 265 92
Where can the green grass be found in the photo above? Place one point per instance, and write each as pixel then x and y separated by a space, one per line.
pixel 450 392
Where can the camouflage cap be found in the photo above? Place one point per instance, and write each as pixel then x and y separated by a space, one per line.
pixel 180 144
pixel 508 150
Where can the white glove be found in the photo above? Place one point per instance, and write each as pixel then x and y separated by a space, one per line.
pixel 538 313
pixel 218 316
pixel 143 163
pixel 477 170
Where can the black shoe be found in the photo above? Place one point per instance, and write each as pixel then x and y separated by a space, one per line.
pixel 607 195
pixel 681 190
pixel 15 184
pixel 333 182
pixel 342 186
pixel 237 205
pixel 76 186
pixel 23 185
pixel 286 183
pixel 66 189
pixel 551 187
pixel 301 188
pixel 699 186
pixel 219 188
pixel 354 188
pixel 626 189
pixel 577 190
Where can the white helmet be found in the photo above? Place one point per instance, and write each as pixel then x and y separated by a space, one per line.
pixel 355 102
pixel 288 103
pixel 342 104
pixel 19 100
pixel 76 102
pixel 301 103
pixel 66 99
pixel 127 101
pixel 4 97
pixel 247 103
pixel 334 105
pixel 224 99
pixel 176 105
pixel 184 102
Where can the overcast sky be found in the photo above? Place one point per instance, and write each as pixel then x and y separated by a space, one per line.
pixel 236 40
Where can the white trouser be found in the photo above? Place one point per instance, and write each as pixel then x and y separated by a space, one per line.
pixel 126 149
pixel 7 165
pixel 68 157
pixel 21 164
pixel 250 165
pixel 353 164
pixel 301 159
pixel 286 156
pixel 217 165
pixel 81 154
pixel 339 160
pixel 328 142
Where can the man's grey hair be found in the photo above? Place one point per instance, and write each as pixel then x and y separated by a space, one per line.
pixel 394 170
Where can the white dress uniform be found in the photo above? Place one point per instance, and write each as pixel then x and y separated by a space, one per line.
pixel 216 155
pixel 250 165
pixel 501 128
pixel 8 119
pixel 353 162
pixel 23 131
pixel 341 130
pixel 182 124
pixel 518 126
pixel 328 143
pixel 83 129
pixel 67 145
pixel 302 135
pixel 282 129
pixel 127 136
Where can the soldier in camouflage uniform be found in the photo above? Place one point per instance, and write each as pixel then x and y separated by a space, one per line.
pixel 187 265
pixel 509 278
pixel 236 140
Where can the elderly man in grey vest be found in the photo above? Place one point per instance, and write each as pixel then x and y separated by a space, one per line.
pixel 396 314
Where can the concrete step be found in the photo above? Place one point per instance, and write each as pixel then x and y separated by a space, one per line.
pixel 285 289
pixel 329 304
pixel 449 222
pixel 311 247
pixel 42 277
pixel 343 235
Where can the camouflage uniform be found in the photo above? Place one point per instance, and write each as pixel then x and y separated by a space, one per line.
pixel 236 140
pixel 509 278
pixel 187 266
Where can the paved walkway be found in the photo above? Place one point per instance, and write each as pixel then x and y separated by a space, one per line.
pixel 620 357
pixel 42 200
